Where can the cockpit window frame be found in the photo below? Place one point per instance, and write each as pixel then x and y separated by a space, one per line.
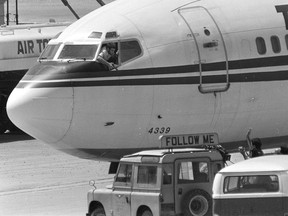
pixel 104 43
pixel 118 42
pixel 100 45
pixel 77 59
pixel 41 58
pixel 136 57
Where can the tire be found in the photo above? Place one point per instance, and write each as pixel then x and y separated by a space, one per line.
pixel 146 212
pixel 197 203
pixel 99 211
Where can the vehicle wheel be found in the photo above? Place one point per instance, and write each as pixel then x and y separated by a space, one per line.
pixel 146 212
pixel 98 212
pixel 197 203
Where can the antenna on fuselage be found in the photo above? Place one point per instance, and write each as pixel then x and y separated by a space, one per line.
pixel 65 2
pixel 100 2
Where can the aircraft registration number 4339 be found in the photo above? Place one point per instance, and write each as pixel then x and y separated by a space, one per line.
pixel 159 130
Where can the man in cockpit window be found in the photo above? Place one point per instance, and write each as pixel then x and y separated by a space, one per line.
pixel 107 54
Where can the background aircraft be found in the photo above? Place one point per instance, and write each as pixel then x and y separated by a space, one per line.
pixel 184 67
pixel 25 30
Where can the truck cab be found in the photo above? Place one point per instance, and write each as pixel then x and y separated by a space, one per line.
pixel 160 182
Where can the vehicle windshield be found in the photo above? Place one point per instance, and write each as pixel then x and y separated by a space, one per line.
pixel 49 52
pixel 124 175
pixel 79 51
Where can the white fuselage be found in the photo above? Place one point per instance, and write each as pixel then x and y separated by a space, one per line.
pixel 202 67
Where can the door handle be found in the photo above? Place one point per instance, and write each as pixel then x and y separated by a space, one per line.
pixel 210 44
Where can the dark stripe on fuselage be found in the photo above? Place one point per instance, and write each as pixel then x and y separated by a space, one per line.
pixel 49 71
pixel 233 78
pixel 74 70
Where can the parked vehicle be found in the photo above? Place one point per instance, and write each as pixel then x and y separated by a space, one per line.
pixel 257 186
pixel 160 182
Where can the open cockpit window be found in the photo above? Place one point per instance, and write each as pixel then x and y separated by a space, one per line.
pixel 78 52
pixel 113 54
pixel 109 52
pixel 49 52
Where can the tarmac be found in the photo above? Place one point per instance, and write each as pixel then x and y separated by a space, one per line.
pixel 37 180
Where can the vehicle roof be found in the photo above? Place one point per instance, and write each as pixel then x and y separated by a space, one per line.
pixel 259 164
pixel 166 155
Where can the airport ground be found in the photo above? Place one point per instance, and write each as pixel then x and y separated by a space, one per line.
pixel 37 180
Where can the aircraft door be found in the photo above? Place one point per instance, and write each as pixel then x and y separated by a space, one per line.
pixel 211 49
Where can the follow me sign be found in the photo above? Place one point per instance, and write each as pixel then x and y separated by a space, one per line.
pixel 189 140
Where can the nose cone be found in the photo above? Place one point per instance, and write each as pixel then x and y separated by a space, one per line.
pixel 43 113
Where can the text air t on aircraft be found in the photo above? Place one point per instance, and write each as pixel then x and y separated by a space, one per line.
pixel 20 46
pixel 182 67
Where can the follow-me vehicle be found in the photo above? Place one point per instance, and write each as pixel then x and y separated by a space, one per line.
pixel 183 67
pixel 255 186
pixel 161 182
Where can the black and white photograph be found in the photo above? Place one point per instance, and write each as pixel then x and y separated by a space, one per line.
pixel 143 107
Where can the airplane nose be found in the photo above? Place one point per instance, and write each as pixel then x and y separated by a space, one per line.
pixel 45 114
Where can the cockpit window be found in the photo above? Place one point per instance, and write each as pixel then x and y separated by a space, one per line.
pixel 83 51
pixel 49 52
pixel 129 50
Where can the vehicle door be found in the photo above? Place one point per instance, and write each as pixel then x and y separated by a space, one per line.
pixel 167 189
pixel 193 186
pixel 211 49
pixel 121 195
pixel 253 194
pixel 146 189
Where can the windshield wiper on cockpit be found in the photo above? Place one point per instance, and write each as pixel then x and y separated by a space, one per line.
pixel 42 58
pixel 76 59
